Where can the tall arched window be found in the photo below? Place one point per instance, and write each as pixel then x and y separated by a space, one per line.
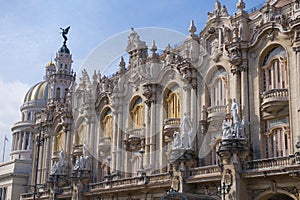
pixel 107 124
pixel 218 87
pixel 173 107
pixel 137 113
pixel 274 104
pixel 277 138
pixel 274 72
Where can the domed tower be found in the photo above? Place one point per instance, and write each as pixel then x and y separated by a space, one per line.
pixel 35 100
pixel 62 76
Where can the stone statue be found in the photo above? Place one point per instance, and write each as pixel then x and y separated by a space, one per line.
pixel 242 128
pixel 53 169
pixel 235 111
pixel 61 158
pixel 77 164
pixel 84 151
pixel 177 140
pixel 64 33
pixel 81 162
pixel 226 130
pixel 186 124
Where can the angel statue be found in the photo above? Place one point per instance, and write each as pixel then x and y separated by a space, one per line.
pixel 64 33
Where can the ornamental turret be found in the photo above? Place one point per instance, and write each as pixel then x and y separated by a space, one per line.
pixel 63 76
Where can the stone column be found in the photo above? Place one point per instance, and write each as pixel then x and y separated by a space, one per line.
pixel 24 141
pixel 30 141
pixel 13 142
pixel 186 99
pixel 296 49
pixel 152 134
pixel 194 113
pixel 20 141
pixel 114 141
pixel 147 134
pixel 119 138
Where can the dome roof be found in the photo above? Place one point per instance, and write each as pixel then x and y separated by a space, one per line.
pixel 38 92
pixel 64 49
pixel 50 64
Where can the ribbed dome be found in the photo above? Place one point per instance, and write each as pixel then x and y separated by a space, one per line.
pixel 38 92
pixel 64 49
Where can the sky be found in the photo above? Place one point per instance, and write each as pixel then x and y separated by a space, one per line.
pixel 30 37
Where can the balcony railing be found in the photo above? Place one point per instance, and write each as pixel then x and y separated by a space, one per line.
pixel 274 100
pixel 207 170
pixel 275 93
pixel 137 132
pixel 104 144
pixel 130 182
pixel 171 125
pixel 216 111
pixel 271 163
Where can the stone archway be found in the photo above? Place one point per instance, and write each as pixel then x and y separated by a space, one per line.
pixel 276 196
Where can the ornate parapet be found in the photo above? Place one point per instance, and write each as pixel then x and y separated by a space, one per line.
pixel 216 112
pixel 273 101
pixel 135 139
pixel 170 126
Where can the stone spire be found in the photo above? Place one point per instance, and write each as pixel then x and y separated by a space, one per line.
pixel 154 56
pixel 122 64
pixel 192 28
pixel 240 5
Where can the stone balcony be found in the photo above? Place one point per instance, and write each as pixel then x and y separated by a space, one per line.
pixel 104 145
pixel 130 184
pixel 272 166
pixel 275 100
pixel 77 150
pixel 215 112
pixel 170 126
pixel 134 139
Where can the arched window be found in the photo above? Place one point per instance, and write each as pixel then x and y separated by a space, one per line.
pixel 277 138
pixel 218 87
pixel 273 69
pixel 173 107
pixel 274 87
pixel 107 124
pixel 137 113
pixel 135 163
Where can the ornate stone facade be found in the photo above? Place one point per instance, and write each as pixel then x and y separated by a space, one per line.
pixel 214 118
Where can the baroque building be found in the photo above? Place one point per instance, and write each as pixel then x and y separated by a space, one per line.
pixel 216 117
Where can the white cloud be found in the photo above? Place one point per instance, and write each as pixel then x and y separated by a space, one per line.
pixel 12 95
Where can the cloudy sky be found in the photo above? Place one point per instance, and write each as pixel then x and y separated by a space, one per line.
pixel 30 37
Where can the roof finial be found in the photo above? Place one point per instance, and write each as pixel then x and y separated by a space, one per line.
pixel 153 48
pixel 192 28
pixel 240 5
pixel 122 64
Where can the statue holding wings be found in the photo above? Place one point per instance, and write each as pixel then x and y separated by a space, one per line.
pixel 64 33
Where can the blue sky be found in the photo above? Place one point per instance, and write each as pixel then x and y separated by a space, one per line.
pixel 30 36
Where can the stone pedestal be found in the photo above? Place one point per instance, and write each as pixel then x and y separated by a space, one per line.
pixel 180 159
pixel 232 153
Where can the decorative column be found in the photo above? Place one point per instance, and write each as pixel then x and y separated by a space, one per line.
pixel 114 140
pixel 24 141
pixel 20 141
pixel 30 141
pixel 296 48
pixel 150 93
pixel 119 161
pixel 187 99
